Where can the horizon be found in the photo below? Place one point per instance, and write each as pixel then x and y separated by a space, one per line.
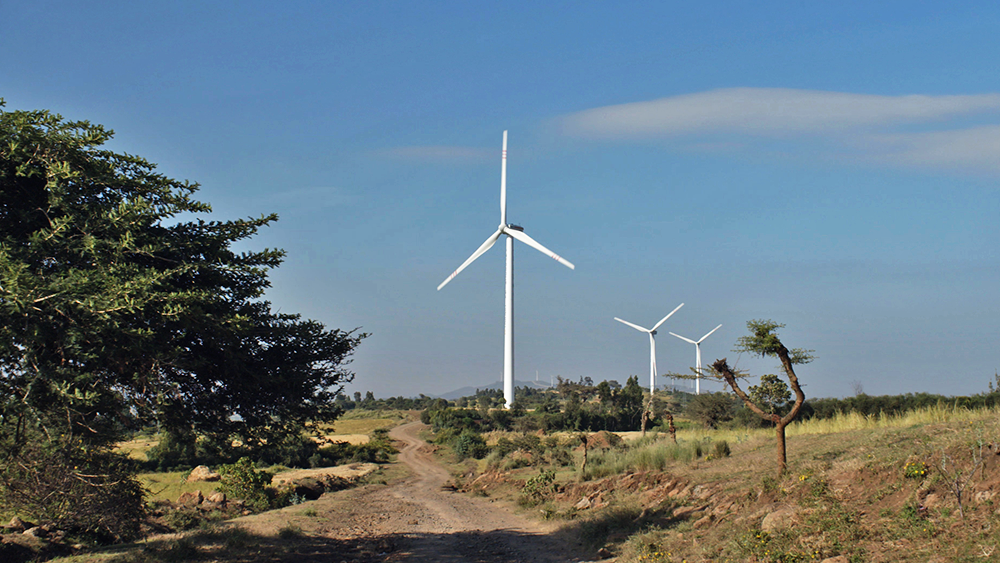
pixel 833 168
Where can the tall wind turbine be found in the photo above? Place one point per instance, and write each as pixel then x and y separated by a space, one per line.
pixel 512 232
pixel 697 356
pixel 652 345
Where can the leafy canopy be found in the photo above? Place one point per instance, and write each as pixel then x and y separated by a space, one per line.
pixel 763 341
pixel 119 304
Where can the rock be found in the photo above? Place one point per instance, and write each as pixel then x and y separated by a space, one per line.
pixel 18 525
pixel 202 473
pixel 778 520
pixel 219 498
pixel 584 504
pixel 603 553
pixel 837 559
pixel 36 532
pixel 191 499
pixel 703 522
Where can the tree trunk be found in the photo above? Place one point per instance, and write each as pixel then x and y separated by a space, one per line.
pixel 647 414
pixel 779 430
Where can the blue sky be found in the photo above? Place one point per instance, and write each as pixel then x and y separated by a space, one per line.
pixel 831 166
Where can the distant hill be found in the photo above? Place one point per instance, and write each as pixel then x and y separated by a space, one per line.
pixel 470 390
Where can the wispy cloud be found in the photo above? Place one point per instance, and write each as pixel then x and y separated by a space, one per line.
pixel 975 148
pixel 442 154
pixel 769 111
pixel 911 130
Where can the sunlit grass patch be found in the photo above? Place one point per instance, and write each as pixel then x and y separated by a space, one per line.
pixel 170 486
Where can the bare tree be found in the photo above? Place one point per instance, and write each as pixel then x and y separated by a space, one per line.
pixel 763 341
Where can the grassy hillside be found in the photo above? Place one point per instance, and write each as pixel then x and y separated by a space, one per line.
pixel 878 488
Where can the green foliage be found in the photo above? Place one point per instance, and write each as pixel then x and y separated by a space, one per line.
pixel 119 305
pixel 470 444
pixel 712 409
pixel 915 470
pixel 763 341
pixel 771 394
pixel 538 489
pixel 176 450
pixel 244 481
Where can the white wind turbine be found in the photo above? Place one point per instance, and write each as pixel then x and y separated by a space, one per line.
pixel 512 232
pixel 697 356
pixel 652 345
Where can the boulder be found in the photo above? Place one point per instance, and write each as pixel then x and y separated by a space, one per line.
pixel 191 499
pixel 219 498
pixel 202 473
pixel 18 525
pixel 36 532
pixel 778 520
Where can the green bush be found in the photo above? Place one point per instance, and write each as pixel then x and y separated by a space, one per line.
pixel 538 489
pixel 244 481
pixel 470 444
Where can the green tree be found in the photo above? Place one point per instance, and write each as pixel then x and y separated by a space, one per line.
pixel 763 341
pixel 771 394
pixel 118 305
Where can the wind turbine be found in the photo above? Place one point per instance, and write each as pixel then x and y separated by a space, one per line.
pixel 652 344
pixel 512 232
pixel 697 356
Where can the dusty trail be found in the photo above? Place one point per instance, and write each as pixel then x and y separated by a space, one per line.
pixel 415 520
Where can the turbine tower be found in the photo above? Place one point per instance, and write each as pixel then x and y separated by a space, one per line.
pixel 512 232
pixel 697 356
pixel 652 344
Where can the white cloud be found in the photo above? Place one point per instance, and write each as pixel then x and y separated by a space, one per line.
pixel 769 111
pixel 956 132
pixel 975 148
pixel 441 153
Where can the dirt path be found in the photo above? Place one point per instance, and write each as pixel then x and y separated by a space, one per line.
pixel 414 520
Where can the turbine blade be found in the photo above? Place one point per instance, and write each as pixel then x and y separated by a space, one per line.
pixel 503 181
pixel 479 252
pixel 519 235
pixel 657 325
pixel 709 334
pixel 684 339
pixel 637 327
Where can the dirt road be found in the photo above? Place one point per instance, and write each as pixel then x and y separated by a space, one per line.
pixel 415 520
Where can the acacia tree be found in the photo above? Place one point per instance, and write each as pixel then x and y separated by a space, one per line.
pixel 763 341
pixel 118 305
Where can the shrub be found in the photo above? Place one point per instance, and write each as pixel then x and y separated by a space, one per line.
pixel 87 491
pixel 538 489
pixel 721 448
pixel 470 444
pixel 244 481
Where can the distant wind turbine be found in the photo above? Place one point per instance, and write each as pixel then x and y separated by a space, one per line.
pixel 512 232
pixel 652 344
pixel 697 356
